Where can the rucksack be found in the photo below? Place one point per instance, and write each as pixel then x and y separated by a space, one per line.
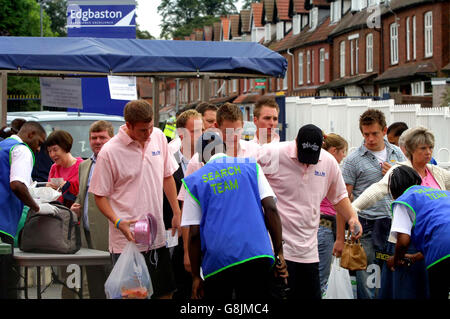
pixel 57 233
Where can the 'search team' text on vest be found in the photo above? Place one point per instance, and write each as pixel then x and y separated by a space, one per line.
pixel 430 213
pixel 232 229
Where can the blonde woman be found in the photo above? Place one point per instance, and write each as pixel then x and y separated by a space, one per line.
pixel 326 235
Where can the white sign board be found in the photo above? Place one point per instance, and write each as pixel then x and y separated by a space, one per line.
pixel 57 92
pixel 122 87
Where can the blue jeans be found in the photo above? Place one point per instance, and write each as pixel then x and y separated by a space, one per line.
pixel 374 238
pixel 325 239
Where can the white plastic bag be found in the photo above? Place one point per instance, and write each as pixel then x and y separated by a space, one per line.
pixel 43 195
pixel 339 285
pixel 129 278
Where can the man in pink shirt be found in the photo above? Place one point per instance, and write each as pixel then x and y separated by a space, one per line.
pixel 301 177
pixel 132 171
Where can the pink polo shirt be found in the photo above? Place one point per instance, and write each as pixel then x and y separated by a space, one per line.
pixel 132 179
pixel 246 149
pixel 429 180
pixel 300 189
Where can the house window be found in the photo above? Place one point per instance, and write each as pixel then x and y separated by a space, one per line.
pixel 285 81
pixel 394 43
pixel 336 10
pixel 313 63
pixel 234 85
pixel 342 58
pixel 417 88
pixel 428 22
pixel 313 17
pixel 199 82
pixel 351 58
pixel 408 36
pixel 414 37
pixel 300 68
pixel 322 65
pixel 372 3
pixel 308 67
pixel 356 56
pixel 297 20
pixel 369 52
pixel 268 32
pixel 280 30
pixel 245 85
pixel 383 90
pixel 363 4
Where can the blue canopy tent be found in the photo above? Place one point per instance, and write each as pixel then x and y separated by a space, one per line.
pixel 81 57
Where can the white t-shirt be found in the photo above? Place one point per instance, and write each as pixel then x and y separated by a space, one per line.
pixel 381 156
pixel 21 163
pixel 192 213
pixel 401 222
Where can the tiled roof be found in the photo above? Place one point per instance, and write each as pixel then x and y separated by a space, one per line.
pixel 225 28
pixel 299 6
pixel 402 4
pixel 257 10
pixel 234 20
pixel 208 32
pixel 245 21
pixel 283 9
pixel 269 11
pixel 351 21
pixel 337 83
pixel 217 26
pixel 320 3
pixel 427 68
pixel 305 37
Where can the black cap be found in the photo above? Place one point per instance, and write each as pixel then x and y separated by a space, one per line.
pixel 208 144
pixel 309 143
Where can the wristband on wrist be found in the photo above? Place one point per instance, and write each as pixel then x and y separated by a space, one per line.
pixel 116 224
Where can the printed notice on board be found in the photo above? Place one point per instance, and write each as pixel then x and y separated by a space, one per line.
pixel 122 87
pixel 57 92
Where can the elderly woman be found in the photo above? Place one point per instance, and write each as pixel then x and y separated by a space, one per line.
pixel 417 144
pixel 64 172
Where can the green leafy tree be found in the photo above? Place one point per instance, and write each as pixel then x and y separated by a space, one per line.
pixel 180 17
pixel 246 3
pixel 22 18
pixel 57 12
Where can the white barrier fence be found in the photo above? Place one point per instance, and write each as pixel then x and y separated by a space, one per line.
pixel 341 116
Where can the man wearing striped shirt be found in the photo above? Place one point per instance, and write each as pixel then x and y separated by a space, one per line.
pixel 363 167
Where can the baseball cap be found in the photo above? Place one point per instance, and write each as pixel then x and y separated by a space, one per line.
pixel 309 143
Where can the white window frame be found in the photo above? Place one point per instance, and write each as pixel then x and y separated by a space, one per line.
pixel 245 85
pixel 280 30
pixel 383 90
pixel 308 67
pixel 369 52
pixel 313 17
pixel 199 89
pixel 414 37
pixel 336 11
pixel 267 32
pixel 394 42
pixel 342 58
pixel 313 63
pixel 285 81
pixel 417 88
pixel 356 56
pixel 300 68
pixel 297 23
pixel 352 71
pixel 234 85
pixel 428 33
pixel 322 65
pixel 408 39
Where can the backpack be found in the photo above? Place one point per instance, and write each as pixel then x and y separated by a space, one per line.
pixel 57 233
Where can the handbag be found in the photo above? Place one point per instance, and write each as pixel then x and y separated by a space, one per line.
pixel 353 256
pixel 54 230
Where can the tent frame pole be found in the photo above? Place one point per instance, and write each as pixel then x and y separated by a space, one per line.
pixel 3 97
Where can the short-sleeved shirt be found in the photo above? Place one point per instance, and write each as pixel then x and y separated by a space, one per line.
pixel 361 169
pixel 246 149
pixel 21 163
pixel 300 189
pixel 132 177
pixel 69 174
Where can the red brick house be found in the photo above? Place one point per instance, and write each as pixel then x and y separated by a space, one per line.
pixel 416 46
